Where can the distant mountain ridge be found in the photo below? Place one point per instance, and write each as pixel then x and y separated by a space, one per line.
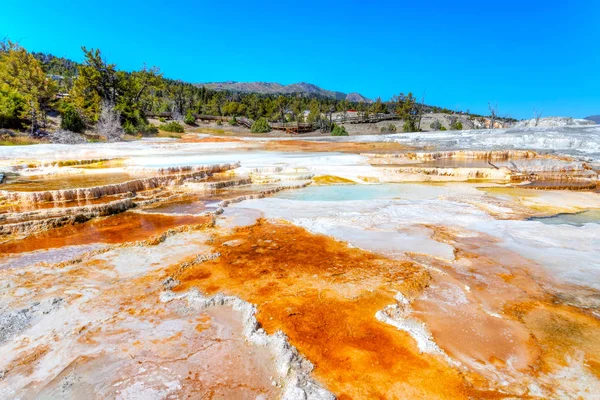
pixel 595 118
pixel 278 88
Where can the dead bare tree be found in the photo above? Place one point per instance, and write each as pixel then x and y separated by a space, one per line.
pixel 493 113
pixel 109 124
pixel 175 114
pixel 452 120
pixel 420 108
pixel 62 136
pixel 537 115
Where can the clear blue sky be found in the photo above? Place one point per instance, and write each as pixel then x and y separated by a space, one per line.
pixel 522 54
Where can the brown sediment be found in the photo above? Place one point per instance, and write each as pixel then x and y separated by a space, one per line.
pixel 346 147
pixel 121 228
pixel 324 296
pixel 513 313
pixel 561 332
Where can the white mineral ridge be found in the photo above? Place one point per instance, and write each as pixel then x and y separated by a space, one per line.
pixel 553 122
pixel 578 141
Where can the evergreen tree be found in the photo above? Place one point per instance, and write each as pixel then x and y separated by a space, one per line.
pixel 24 83
pixel 95 83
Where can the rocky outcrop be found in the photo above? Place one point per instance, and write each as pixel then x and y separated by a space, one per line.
pixel 210 186
pixel 187 169
pixel 262 194
pixel 459 154
pixel 135 185
pixel 568 184
pixel 41 220
pixel 417 174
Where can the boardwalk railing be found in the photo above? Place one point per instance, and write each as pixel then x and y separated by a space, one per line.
pixel 296 127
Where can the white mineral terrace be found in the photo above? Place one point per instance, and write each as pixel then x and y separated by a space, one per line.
pixel 232 269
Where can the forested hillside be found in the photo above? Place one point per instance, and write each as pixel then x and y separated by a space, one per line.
pixel 95 94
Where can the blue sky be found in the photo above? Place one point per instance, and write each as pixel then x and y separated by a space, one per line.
pixel 522 55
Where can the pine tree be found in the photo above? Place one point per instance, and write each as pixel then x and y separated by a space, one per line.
pixel 97 82
pixel 22 75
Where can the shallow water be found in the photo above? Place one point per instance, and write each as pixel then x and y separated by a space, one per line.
pixel 121 228
pixel 374 191
pixel 574 219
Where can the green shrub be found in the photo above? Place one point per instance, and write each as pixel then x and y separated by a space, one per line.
pixel 260 126
pixel 162 119
pixel 436 125
pixel 129 128
pixel 146 129
pixel 443 128
pixel 141 128
pixel 339 130
pixel 72 120
pixel 11 106
pixel 219 122
pixel 233 121
pixel 391 128
pixel 189 118
pixel 409 126
pixel 456 125
pixel 172 126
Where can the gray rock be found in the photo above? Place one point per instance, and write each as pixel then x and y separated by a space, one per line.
pixel 13 322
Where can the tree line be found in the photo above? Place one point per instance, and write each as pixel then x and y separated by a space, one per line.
pixel 95 94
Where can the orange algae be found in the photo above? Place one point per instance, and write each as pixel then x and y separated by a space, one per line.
pixel 27 360
pixel 120 228
pixel 324 296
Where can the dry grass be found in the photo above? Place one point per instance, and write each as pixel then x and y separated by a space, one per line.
pixel 18 141
pixel 173 135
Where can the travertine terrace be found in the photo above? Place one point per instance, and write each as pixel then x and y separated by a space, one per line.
pixel 451 265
